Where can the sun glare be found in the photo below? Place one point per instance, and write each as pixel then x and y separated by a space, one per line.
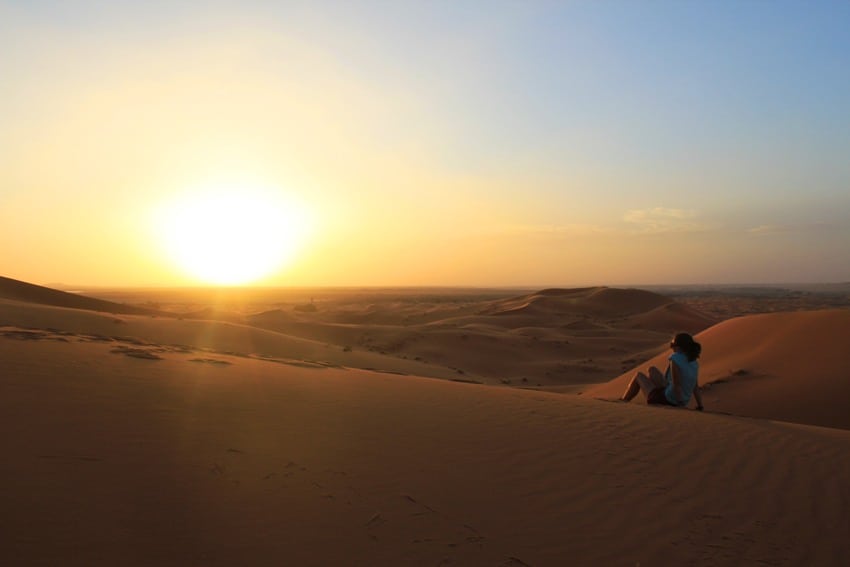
pixel 232 236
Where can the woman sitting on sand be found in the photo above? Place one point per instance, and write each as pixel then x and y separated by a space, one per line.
pixel 674 387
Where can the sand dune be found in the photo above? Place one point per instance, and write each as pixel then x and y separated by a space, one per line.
pixel 214 314
pixel 140 440
pixel 670 316
pixel 787 366
pixel 217 336
pixel 549 338
pixel 599 301
pixel 30 293
pixel 181 459
pixel 599 308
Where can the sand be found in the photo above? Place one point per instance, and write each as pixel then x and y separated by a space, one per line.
pixel 787 366
pixel 140 440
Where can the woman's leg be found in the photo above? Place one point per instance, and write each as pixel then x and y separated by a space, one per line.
pixel 640 382
pixel 657 378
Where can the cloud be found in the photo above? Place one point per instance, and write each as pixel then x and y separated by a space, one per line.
pixel 780 228
pixel 659 220
pixel 770 229
pixel 554 230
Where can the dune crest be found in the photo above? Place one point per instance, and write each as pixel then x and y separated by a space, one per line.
pixel 16 290
pixel 596 301
pixel 621 308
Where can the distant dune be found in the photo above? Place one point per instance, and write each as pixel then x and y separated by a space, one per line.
pixel 551 337
pixel 16 290
pixel 618 307
pixel 787 366
pixel 598 301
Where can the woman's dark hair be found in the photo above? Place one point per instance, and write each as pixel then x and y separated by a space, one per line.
pixel 689 346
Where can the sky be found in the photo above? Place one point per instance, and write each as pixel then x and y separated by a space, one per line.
pixel 447 143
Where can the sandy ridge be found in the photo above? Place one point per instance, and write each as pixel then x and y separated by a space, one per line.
pixel 30 293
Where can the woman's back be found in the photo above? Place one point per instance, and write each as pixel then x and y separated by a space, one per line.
pixel 688 372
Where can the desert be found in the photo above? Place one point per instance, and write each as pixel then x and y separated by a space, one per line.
pixel 424 283
pixel 415 427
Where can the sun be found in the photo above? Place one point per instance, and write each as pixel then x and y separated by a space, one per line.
pixel 231 236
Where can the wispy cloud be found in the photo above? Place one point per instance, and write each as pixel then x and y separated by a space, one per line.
pixel 555 230
pixel 780 228
pixel 659 220
pixel 770 229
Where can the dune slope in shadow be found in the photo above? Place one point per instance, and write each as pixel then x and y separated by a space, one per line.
pixel 17 290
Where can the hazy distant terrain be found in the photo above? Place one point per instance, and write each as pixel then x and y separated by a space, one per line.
pixel 726 301
pixel 554 339
pixel 544 338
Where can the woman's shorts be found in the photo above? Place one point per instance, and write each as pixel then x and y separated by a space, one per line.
pixel 657 397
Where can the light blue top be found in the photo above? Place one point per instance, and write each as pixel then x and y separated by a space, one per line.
pixel 688 371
